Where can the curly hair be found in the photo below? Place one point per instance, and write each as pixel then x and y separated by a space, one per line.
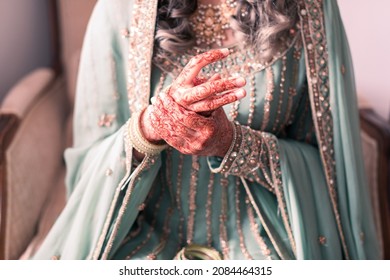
pixel 262 24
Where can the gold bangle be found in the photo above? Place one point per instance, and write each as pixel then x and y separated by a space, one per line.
pixel 198 252
pixel 138 140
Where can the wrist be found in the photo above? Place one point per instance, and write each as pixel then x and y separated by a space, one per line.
pixel 138 140
pixel 228 141
pixel 225 163
pixel 147 129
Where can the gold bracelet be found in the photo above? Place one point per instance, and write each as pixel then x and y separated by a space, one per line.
pixel 138 140
pixel 198 252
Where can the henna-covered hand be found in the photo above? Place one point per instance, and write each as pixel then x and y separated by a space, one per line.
pixel 189 132
pixel 199 95
pixel 189 114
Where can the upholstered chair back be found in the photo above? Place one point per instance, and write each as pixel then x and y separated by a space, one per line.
pixel 73 16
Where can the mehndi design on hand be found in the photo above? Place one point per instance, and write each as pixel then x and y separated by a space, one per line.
pixel 188 115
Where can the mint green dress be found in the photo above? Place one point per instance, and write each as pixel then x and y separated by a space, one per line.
pixel 296 189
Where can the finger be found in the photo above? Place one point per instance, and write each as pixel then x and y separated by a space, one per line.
pixel 166 105
pixel 215 77
pixel 215 102
pixel 192 69
pixel 206 90
pixel 200 80
pixel 187 118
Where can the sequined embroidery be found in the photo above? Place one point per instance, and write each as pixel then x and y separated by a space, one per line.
pixel 192 198
pixel 314 37
pixel 268 97
pixel 256 231
pixel 282 90
pixel 141 40
pixel 178 198
pixel 209 207
pixel 272 147
pixel 322 240
pixel 243 247
pixel 108 172
pixel 223 237
pixel 106 120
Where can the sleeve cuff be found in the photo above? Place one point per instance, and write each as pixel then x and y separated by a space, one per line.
pixel 243 155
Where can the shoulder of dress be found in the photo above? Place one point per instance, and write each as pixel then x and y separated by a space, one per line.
pixel 117 12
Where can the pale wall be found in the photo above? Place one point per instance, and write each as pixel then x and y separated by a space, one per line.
pixel 368 28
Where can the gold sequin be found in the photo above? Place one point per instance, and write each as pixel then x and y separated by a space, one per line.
pixel 125 33
pixel 105 120
pixel 362 237
pixel 109 172
pixel 342 69
pixel 322 240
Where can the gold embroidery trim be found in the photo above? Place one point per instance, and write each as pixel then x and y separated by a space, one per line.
pixel 274 164
pixel 141 41
pixel 265 225
pixel 314 39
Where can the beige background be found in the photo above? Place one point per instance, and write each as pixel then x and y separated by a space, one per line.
pixel 368 28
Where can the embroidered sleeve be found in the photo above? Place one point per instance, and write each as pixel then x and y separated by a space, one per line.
pixel 248 157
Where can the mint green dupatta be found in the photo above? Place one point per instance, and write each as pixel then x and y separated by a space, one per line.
pixel 354 198
pixel 336 209
pixel 322 207
pixel 101 178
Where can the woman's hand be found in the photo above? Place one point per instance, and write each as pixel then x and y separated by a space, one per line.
pixel 189 115
pixel 198 95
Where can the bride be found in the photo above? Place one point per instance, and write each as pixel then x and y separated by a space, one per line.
pixel 215 129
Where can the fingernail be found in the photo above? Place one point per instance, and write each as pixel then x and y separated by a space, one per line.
pixel 240 93
pixel 225 51
pixel 239 82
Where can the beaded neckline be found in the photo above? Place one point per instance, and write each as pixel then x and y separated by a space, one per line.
pixel 240 61
pixel 211 22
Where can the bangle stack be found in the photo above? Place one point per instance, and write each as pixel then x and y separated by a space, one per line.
pixel 138 140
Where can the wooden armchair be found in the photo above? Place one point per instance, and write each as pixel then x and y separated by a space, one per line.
pixel 35 128
pixel 376 151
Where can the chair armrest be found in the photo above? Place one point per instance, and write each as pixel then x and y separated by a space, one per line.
pixel 31 156
pixel 376 146
pixel 25 93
